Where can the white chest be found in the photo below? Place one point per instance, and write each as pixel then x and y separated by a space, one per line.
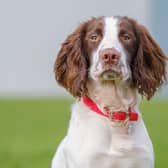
pixel 95 144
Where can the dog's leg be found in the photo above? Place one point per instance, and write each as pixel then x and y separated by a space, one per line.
pixel 59 160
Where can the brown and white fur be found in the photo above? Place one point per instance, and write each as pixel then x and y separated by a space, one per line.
pixel 99 50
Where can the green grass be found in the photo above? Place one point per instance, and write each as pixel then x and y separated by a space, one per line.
pixel 30 131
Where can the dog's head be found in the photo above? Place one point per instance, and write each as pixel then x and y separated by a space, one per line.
pixel 110 49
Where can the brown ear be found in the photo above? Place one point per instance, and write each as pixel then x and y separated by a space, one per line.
pixel 71 66
pixel 149 65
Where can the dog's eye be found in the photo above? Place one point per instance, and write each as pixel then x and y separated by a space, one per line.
pixel 126 37
pixel 93 37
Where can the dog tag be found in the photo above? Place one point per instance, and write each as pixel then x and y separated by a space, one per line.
pixel 130 127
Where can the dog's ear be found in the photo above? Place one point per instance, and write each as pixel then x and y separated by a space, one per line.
pixel 149 64
pixel 71 65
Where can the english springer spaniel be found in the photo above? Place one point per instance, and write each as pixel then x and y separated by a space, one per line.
pixel 105 64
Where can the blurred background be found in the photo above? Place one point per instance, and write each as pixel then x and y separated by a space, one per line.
pixel 34 110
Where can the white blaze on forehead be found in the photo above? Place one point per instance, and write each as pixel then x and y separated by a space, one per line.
pixel 110 33
pixel 111 38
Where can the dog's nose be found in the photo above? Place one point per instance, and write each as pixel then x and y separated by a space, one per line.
pixel 110 56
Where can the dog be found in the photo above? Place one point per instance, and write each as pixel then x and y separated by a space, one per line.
pixel 108 64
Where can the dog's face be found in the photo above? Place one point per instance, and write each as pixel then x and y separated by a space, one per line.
pixel 111 43
pixel 110 49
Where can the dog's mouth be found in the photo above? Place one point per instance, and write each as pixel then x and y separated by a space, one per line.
pixel 111 75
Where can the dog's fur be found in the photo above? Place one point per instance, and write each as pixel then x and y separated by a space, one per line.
pixel 98 49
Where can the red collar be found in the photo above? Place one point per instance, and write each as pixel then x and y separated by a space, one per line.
pixel 116 116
